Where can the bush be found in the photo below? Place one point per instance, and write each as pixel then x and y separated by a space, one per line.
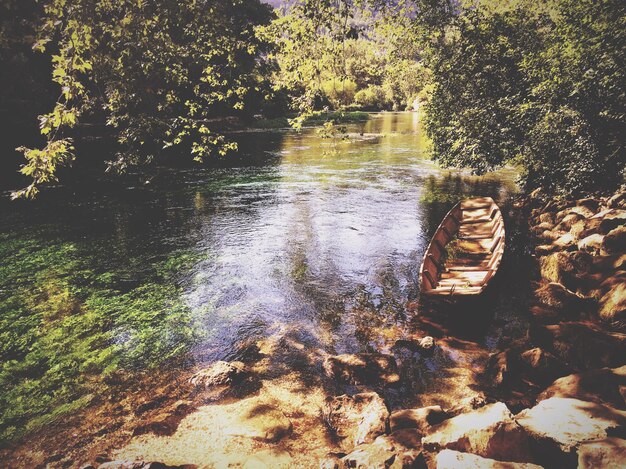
pixel 339 92
pixel 373 98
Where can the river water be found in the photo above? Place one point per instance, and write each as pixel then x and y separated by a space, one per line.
pixel 317 235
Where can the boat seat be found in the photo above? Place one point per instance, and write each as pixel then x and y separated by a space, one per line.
pixel 470 278
pixel 476 202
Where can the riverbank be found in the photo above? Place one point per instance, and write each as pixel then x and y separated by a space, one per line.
pixel 554 397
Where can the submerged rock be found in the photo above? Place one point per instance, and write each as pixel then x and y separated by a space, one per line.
pixel 262 421
pixel 489 432
pixel 609 453
pixel 558 425
pixel 363 368
pixel 449 459
pixel 419 419
pixel 219 374
pixel 356 419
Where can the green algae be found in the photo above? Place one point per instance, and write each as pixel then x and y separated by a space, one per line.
pixel 65 326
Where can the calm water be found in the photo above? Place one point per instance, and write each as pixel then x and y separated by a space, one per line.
pixel 324 237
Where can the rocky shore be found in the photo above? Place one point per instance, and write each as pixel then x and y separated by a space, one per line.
pixel 554 398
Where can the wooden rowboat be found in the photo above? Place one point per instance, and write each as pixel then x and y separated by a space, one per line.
pixel 465 251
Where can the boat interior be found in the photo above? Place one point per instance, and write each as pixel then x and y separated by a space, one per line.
pixel 466 250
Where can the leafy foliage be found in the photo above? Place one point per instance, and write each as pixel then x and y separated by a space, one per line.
pixel 540 87
pixel 156 70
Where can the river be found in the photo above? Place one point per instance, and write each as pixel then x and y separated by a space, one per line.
pixel 323 237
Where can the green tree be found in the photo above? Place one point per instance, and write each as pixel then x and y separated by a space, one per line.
pixel 540 86
pixel 156 70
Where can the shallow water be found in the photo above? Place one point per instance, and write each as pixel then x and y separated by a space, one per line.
pixel 301 233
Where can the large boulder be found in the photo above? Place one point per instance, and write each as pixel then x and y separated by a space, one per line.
pixel 609 453
pixel 557 296
pixel 356 419
pixel 558 425
pixel 489 431
pixel 613 303
pixel 602 386
pixel 449 459
pixel 419 419
pixel 582 345
pixel 617 200
pixel 399 450
pixel 565 242
pixel 363 368
pixel 565 268
pixel 542 367
pixel 591 243
pixel 615 241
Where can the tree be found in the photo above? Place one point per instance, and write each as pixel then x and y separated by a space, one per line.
pixel 156 70
pixel 539 86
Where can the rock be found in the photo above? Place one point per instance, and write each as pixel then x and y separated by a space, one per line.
pixel 549 236
pixel 565 242
pixel 565 268
pixel 398 450
pixel 559 424
pixel 615 241
pixel 582 345
pixel 501 367
pixel 164 424
pixel 602 386
pixel 273 458
pixel 140 465
pixel 547 217
pixel 356 419
pixel 219 374
pixel 612 219
pixel 608 264
pixel 613 303
pixel 449 459
pixel 468 404
pixel 591 244
pixel 489 431
pixel 427 343
pixel 262 421
pixel 557 296
pixel 420 419
pixel 332 461
pixel 364 368
pixel 541 366
pixel 590 204
pixel 609 453
pixel 617 200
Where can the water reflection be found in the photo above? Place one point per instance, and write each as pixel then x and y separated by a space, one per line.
pixel 332 244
